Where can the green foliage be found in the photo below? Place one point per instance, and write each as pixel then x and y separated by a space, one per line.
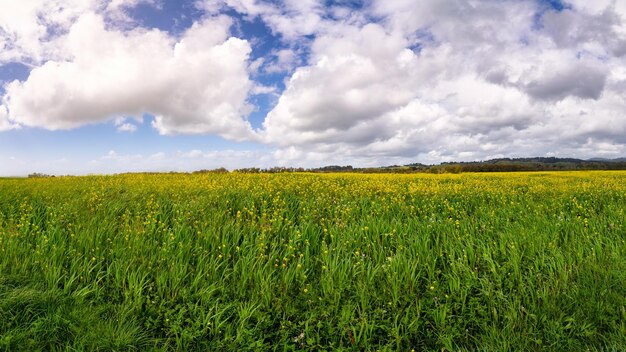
pixel 238 261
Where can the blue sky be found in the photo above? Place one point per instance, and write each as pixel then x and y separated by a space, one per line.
pixel 107 86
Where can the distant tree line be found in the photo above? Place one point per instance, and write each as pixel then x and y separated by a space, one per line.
pixel 529 164
pixel 493 165
pixel 38 175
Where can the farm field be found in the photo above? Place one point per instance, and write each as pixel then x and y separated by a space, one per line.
pixel 493 262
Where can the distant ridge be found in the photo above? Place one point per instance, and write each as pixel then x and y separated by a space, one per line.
pixel 492 165
pixel 618 160
pixel 545 160
pixel 530 164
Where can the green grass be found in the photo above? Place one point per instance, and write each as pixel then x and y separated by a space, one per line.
pixel 523 261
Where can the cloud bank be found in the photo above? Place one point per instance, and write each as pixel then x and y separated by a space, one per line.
pixel 460 80
pixel 196 84
pixel 380 81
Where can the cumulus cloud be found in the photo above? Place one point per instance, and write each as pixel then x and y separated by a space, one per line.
pixel 115 5
pixel 27 26
pixel 349 84
pixel 123 126
pixel 283 60
pixel 582 81
pixel 5 124
pixel 388 82
pixel 363 79
pixel 597 32
pixel 457 80
pixel 196 84
pixel 289 18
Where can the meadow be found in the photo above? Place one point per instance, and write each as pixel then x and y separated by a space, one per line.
pixel 489 262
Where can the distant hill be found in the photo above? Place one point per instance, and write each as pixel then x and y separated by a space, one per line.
pixel 618 160
pixel 492 165
pixel 531 164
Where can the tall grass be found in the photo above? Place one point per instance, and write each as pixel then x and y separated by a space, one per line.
pixel 523 261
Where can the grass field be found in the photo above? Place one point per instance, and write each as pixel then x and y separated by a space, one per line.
pixel 493 262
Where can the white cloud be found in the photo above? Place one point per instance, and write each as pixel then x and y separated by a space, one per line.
pixel 26 26
pixel 123 126
pixel 289 18
pixel 284 60
pixel 484 82
pixel 350 83
pixel 211 7
pixel 597 32
pixel 582 81
pixel 116 5
pixel 5 124
pixel 127 127
pixel 198 84
pixel 182 161
pixel 260 90
pixel 428 81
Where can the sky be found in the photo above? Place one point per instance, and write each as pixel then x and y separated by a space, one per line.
pixel 110 86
